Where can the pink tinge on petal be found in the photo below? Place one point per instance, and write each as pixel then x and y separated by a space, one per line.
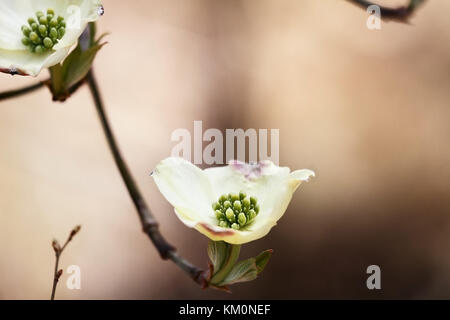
pixel 252 170
pixel 13 71
pixel 221 233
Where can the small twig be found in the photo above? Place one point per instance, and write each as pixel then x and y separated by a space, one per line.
pixel 148 222
pixel 21 91
pixel 58 251
pixel 400 14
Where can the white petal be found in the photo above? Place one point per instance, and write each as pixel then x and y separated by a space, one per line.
pixel 42 5
pixel 13 14
pixel 232 236
pixel 187 188
pixel 225 180
pixel 25 63
pixel 302 175
pixel 89 12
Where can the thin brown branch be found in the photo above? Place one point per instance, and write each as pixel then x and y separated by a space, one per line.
pixel 22 91
pixel 18 92
pixel 58 251
pixel 400 14
pixel 148 222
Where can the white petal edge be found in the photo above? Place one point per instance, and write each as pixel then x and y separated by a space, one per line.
pixel 28 64
pixel 89 13
pixel 186 187
pixel 302 175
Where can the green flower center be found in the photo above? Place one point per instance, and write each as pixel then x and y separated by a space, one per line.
pixel 235 211
pixel 43 32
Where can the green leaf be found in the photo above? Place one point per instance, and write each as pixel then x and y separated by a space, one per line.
pixel 101 38
pixel 262 259
pixel 217 252
pixel 232 256
pixel 77 64
pixel 56 78
pixel 71 59
pixel 242 271
pixel 68 76
pixel 92 33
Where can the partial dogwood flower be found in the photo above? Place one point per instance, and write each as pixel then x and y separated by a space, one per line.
pixel 37 34
pixel 237 203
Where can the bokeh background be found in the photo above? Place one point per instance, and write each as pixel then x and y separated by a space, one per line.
pixel 367 110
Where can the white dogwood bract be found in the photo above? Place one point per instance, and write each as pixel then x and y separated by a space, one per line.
pixel 193 191
pixel 16 57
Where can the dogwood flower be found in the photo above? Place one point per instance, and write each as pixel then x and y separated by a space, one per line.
pixel 37 34
pixel 237 203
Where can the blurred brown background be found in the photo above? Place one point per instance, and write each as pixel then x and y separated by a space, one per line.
pixel 367 110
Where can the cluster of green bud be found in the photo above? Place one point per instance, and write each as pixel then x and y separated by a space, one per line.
pixel 235 210
pixel 42 33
